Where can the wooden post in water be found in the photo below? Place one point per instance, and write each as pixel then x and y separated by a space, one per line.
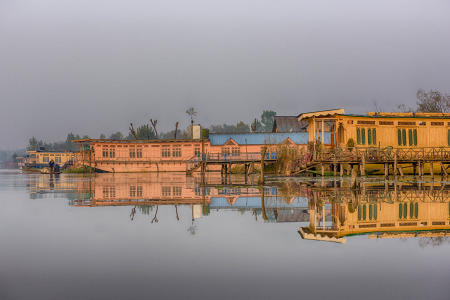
pixel 354 178
pixel 363 165
pixel 400 170
pixel 386 170
pixel 341 170
pixel 431 169
pixel 443 171
pixel 261 175
pixel 322 170
pixel 395 165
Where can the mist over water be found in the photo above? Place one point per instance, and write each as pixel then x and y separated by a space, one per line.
pixel 92 67
pixel 134 236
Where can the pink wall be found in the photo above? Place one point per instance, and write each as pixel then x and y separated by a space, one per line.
pixel 157 156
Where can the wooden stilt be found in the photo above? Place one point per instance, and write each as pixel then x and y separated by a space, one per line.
pixel 354 178
pixel 341 170
pixel 400 170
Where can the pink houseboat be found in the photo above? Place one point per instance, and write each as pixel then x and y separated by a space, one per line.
pixel 178 155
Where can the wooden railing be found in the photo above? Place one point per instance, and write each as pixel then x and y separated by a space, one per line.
pixel 383 154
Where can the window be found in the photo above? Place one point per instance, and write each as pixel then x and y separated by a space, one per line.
pixel 109 192
pixel 407 139
pixel 402 210
pixel 386 123
pixel 415 137
pixel 105 152
pixel 176 151
pixel 139 152
pixel 166 191
pixel 236 151
pixel 358 136
pixel 410 136
pixel 165 151
pixel 374 136
pixel 366 122
pixel 112 152
pixel 363 136
pixel 226 151
pixel 45 159
pixel 132 152
pixel 406 123
pixel 413 210
pixel 197 151
pixel 58 159
pixel 448 137
pixel 139 191
pixel 437 123
pixel 132 191
pixel 176 190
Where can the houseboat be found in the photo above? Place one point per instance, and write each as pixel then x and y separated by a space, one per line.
pixel 35 160
pixel 176 155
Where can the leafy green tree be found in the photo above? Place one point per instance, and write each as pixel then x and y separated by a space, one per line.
pixel 145 132
pixel 241 127
pixel 102 136
pixel 256 126
pixel 33 143
pixel 116 136
pixel 267 118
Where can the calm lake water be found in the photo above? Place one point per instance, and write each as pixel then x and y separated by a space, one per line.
pixel 167 236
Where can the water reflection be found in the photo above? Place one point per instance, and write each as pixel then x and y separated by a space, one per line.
pixel 320 211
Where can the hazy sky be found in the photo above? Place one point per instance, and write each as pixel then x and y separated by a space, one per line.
pixel 91 66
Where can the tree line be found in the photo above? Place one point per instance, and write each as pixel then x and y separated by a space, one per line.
pixel 150 131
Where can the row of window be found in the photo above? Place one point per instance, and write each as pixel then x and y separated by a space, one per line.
pixel 371 136
pixel 403 210
pixel 175 151
pixel 135 191
pixel 402 138
pixel 47 159
pixel 171 191
pixel 362 212
pixel 166 151
pixel 235 151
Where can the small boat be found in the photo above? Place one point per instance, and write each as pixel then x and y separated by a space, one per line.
pixel 49 171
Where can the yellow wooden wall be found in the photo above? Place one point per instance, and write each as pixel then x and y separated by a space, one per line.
pixel 386 135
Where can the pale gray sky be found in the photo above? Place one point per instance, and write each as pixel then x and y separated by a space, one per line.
pixel 92 66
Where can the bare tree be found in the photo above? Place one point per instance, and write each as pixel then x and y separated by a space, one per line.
pixel 132 131
pixel 154 123
pixel 432 101
pixel 155 218
pixel 404 109
pixel 176 130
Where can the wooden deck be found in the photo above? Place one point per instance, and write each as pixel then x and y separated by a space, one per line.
pixel 393 160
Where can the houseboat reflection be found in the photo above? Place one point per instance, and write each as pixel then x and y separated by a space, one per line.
pixel 322 212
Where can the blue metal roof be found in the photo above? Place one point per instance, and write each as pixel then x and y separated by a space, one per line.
pixel 255 202
pixel 262 138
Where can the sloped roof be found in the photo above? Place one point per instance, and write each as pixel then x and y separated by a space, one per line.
pixel 288 124
pixel 321 113
pixel 262 138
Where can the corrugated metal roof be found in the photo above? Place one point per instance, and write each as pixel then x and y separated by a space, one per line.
pixel 289 124
pixel 270 138
pixel 255 202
